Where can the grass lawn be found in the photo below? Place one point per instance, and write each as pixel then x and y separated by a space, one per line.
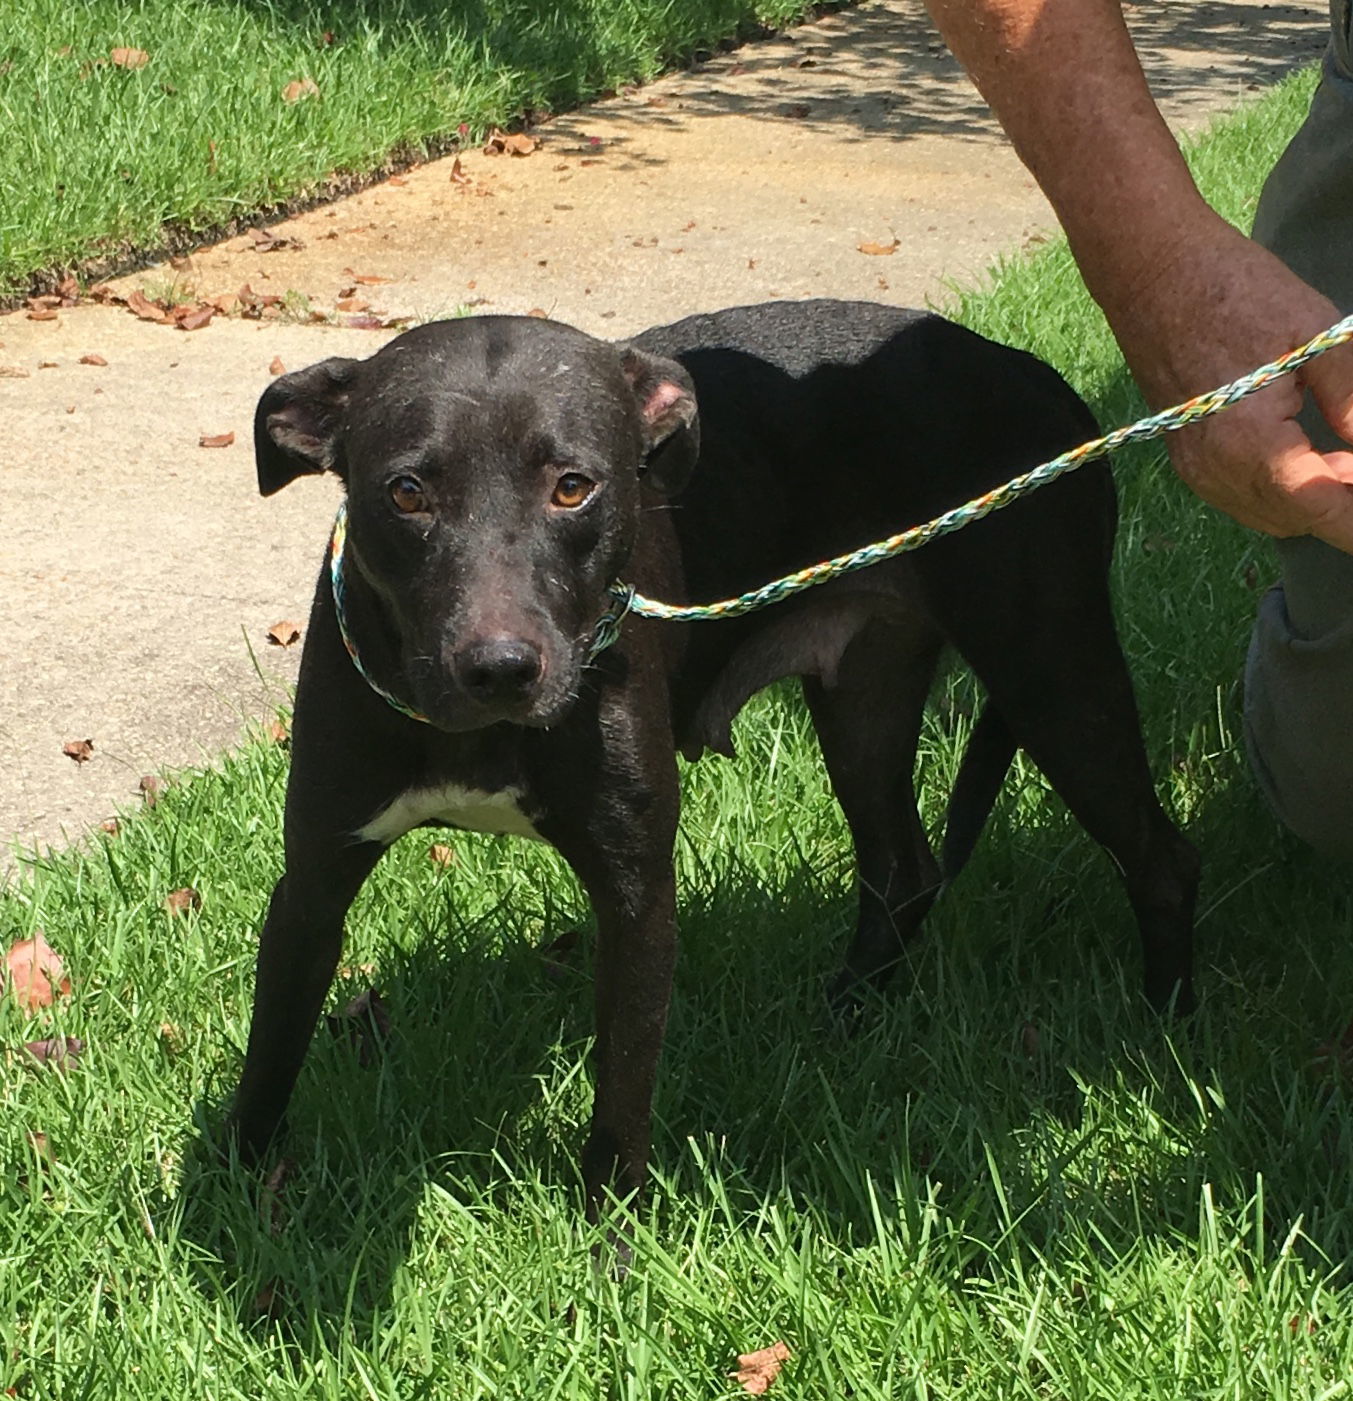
pixel 1013 1182
pixel 99 156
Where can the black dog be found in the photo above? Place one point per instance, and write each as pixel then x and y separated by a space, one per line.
pixel 501 472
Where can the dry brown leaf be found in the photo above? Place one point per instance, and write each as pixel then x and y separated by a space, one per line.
pixel 757 1370
pixel 193 318
pixel 81 750
pixel 111 826
pixel 43 314
pixel 352 304
pixel 516 143
pixel 36 973
pixel 397 180
pixel 68 289
pixel 458 176
pixel 284 634
pixel 277 367
pixel 92 359
pixel 49 364
pixel 301 88
pixel 140 305
pixel 58 1052
pixel 277 732
pixel 367 279
pixel 365 1022
pixel 441 855
pixel 44 301
pixel 43 1149
pixel 270 1205
pixel 225 303
pixel 365 323
pixel 539 311
pixel 151 788
pixel 180 901
pixel 880 250
pixel 129 58
pixel 265 241
pixel 215 440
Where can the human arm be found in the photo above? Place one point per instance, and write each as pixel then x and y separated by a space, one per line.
pixel 1192 302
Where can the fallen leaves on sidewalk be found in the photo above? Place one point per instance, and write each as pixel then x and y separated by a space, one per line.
pixel 151 788
pixel 516 143
pixel 757 1370
pixel 81 750
pixel 277 367
pixel 265 241
pixel 284 634
pixel 880 250
pixel 35 973
pixel 92 359
pixel 215 440
pixel 141 306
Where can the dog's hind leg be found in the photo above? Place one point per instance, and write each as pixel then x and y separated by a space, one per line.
pixel 1041 638
pixel 867 723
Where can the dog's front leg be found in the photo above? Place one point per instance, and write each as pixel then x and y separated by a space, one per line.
pixel 636 952
pixel 297 957
pixel 622 853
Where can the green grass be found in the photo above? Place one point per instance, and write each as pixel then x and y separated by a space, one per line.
pixel 97 159
pixel 1013 1182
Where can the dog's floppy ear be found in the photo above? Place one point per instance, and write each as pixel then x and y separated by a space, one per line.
pixel 666 398
pixel 295 422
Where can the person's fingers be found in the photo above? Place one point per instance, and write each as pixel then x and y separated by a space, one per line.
pixel 1260 469
pixel 1330 380
pixel 1320 488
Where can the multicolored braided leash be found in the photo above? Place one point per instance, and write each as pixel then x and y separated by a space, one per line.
pixel 624 599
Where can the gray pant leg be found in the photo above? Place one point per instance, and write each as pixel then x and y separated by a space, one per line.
pixel 1299 673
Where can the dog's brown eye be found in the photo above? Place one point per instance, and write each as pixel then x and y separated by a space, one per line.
pixel 571 490
pixel 407 494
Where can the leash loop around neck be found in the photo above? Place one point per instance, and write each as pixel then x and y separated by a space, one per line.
pixel 340 592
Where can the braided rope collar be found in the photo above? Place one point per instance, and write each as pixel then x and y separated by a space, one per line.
pixel 624 598
pixel 340 592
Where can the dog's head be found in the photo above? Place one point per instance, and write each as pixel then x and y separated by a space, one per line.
pixel 493 468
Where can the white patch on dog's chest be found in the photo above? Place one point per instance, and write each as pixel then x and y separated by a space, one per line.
pixel 469 808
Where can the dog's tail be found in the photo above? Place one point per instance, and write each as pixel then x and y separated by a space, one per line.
pixel 985 762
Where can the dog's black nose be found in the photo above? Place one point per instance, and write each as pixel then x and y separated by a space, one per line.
pixel 499 668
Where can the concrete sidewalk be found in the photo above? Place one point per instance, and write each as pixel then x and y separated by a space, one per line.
pixel 141 572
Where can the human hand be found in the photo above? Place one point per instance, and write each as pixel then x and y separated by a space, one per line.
pixel 1216 307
